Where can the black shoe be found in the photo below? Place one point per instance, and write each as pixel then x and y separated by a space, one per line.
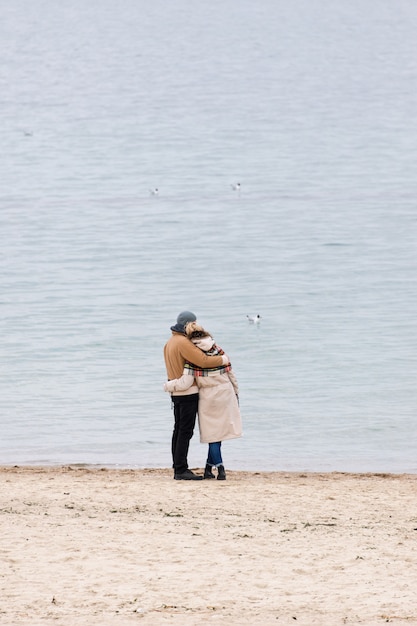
pixel 221 475
pixel 187 475
pixel 208 473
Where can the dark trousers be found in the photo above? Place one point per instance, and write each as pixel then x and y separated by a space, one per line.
pixel 185 413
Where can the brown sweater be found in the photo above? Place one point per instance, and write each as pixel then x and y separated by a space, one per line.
pixel 179 349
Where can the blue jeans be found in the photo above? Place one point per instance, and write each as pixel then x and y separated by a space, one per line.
pixel 215 454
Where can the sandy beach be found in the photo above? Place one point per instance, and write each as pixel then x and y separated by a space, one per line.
pixel 86 546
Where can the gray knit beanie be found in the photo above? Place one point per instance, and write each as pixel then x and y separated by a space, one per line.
pixel 183 318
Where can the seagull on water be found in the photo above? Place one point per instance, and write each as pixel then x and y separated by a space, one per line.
pixel 154 191
pixel 236 186
pixel 254 319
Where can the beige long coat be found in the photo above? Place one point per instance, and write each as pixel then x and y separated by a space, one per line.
pixel 218 409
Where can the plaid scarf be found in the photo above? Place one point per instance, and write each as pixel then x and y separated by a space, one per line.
pixel 193 370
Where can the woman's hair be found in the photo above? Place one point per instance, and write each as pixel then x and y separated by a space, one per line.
pixel 194 330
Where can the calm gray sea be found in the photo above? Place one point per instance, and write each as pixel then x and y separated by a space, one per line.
pixel 311 105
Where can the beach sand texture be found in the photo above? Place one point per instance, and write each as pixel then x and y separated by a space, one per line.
pixel 89 546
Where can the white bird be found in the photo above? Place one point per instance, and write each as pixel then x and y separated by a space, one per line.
pixel 254 319
pixel 154 192
pixel 236 186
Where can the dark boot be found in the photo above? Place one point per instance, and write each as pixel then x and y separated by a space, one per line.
pixel 208 473
pixel 221 474
pixel 187 475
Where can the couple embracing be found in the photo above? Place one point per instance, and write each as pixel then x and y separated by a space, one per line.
pixel 200 380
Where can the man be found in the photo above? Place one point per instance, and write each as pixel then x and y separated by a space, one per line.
pixel 177 350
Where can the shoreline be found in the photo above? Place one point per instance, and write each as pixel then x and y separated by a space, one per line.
pixel 97 546
pixel 197 469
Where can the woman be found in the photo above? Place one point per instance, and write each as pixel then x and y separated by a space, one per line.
pixel 218 407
